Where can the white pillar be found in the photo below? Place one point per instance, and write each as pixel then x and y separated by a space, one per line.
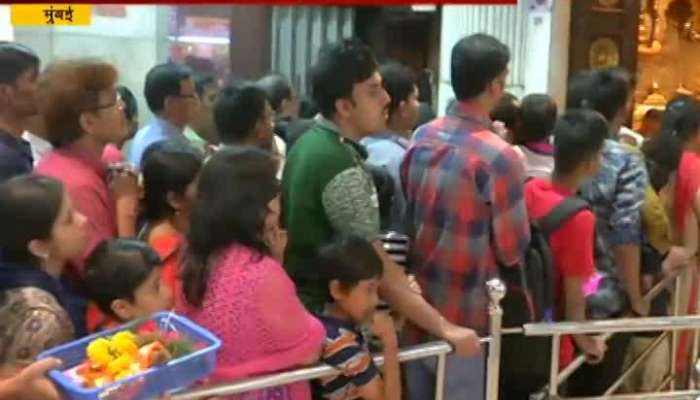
pixel 506 22
pixel 6 31
pixel 133 43
pixel 539 63
pixel 538 41
pixel 559 51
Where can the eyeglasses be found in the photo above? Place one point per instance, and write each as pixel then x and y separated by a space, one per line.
pixel 117 102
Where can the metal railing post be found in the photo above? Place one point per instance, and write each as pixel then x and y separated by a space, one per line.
pixel 675 334
pixel 496 291
pixel 554 368
pixel 694 353
pixel 440 377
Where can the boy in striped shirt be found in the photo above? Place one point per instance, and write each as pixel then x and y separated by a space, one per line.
pixel 353 270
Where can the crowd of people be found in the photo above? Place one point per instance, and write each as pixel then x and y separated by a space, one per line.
pixel 265 227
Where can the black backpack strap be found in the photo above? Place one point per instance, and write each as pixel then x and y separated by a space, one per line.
pixel 561 213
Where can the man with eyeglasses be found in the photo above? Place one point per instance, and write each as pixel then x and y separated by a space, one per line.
pixel 19 70
pixel 171 96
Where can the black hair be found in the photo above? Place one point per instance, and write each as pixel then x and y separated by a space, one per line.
pixel 131 108
pixel 115 269
pixel 425 87
pixel 201 82
pixel 238 108
pixel 163 81
pixel 476 61
pixel 399 82
pixel 348 260
pixel 538 113
pixel 579 134
pixel 604 90
pixel 277 88
pixel 339 67
pixel 235 187
pixel 307 108
pixel 168 166
pixel 15 59
pixel 29 206
pixel 507 110
pixel 679 124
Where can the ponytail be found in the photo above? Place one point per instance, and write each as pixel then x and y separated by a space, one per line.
pixel 680 124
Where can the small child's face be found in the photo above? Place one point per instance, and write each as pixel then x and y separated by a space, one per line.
pixel 149 298
pixel 361 301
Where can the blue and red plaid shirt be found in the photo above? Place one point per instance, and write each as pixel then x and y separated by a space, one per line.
pixel 465 209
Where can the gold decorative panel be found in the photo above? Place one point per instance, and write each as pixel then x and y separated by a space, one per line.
pixel 604 52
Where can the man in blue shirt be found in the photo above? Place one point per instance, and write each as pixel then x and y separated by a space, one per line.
pixel 19 70
pixel 387 149
pixel 171 96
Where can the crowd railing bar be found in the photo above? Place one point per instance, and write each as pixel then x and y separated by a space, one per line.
pixel 665 383
pixel 440 376
pixel 692 375
pixel 637 362
pixel 432 349
pixel 674 334
pixel 496 291
pixel 626 325
pixel 439 349
pixel 679 395
pixel 649 296
pixel 554 365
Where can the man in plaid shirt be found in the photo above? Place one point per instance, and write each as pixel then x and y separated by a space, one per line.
pixel 465 209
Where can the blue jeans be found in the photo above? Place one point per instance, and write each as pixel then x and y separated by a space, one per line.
pixel 465 378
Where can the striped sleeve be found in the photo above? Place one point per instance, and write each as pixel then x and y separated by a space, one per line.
pixel 352 360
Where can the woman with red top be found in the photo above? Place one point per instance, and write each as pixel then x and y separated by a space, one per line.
pixel 677 148
pixel 170 173
pixel 82 113
pixel 233 281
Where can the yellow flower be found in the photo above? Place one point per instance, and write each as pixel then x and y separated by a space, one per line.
pixel 98 352
pixel 122 375
pixel 120 365
pixel 124 343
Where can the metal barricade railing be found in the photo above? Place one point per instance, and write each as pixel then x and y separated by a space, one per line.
pixel 670 326
pixel 496 292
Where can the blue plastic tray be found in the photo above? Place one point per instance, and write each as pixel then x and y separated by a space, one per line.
pixel 178 373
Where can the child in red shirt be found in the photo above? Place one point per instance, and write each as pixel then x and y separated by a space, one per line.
pixel 579 136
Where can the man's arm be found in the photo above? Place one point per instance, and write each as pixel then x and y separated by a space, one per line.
pixel 626 230
pixel 350 211
pixel 396 290
pixel 593 347
pixel 509 221
pixel 348 205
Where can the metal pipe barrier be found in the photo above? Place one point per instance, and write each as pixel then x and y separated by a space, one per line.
pixel 669 325
pixel 496 291
pixel 649 296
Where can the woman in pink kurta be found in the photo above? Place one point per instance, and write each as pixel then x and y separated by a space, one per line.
pixel 233 283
